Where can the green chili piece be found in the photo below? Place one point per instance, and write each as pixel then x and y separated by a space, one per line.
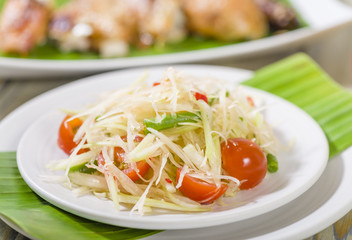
pixel 211 100
pixel 272 163
pixel 171 121
pixel 83 168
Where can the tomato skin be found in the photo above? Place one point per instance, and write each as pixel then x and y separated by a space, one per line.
pixel 244 160
pixel 199 190
pixel 119 157
pixel 67 132
pixel 200 96
pixel 143 168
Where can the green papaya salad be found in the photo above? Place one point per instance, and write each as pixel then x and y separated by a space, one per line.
pixel 182 144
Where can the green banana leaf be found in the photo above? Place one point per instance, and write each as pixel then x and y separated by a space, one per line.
pixel 297 79
pixel 50 51
pixel 301 81
pixel 42 220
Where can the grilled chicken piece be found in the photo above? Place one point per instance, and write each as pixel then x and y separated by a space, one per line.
pixel 23 25
pixel 226 20
pixel 280 16
pixel 161 21
pixel 103 25
pixel 111 26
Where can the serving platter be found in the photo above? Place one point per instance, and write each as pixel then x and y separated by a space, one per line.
pixel 322 16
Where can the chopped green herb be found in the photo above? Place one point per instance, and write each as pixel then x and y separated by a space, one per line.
pixel 211 100
pixel 272 162
pixel 171 121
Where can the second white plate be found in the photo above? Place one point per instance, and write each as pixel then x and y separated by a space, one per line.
pixel 300 166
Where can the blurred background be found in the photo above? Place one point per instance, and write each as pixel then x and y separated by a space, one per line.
pixel 86 37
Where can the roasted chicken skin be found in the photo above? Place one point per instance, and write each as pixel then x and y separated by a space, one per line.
pixel 280 16
pixel 226 20
pixel 111 26
pixel 23 25
pixel 90 24
pixel 163 22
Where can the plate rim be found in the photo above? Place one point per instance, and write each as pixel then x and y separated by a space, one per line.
pixel 245 48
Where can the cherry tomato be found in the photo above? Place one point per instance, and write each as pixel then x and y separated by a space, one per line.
pixel 199 190
pixel 119 157
pixel 244 160
pixel 67 132
pixel 200 96
pixel 142 167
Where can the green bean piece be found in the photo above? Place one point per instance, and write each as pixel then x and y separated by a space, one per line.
pixel 272 163
pixel 171 121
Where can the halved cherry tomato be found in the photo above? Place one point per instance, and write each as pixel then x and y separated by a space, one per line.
pixel 244 160
pixel 119 157
pixel 142 167
pixel 200 96
pixel 67 132
pixel 199 190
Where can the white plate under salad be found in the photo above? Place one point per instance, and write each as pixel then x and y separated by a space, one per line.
pixel 323 204
pixel 300 164
pixel 322 16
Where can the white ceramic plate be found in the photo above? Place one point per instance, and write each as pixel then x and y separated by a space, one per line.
pixel 322 16
pixel 319 207
pixel 300 166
